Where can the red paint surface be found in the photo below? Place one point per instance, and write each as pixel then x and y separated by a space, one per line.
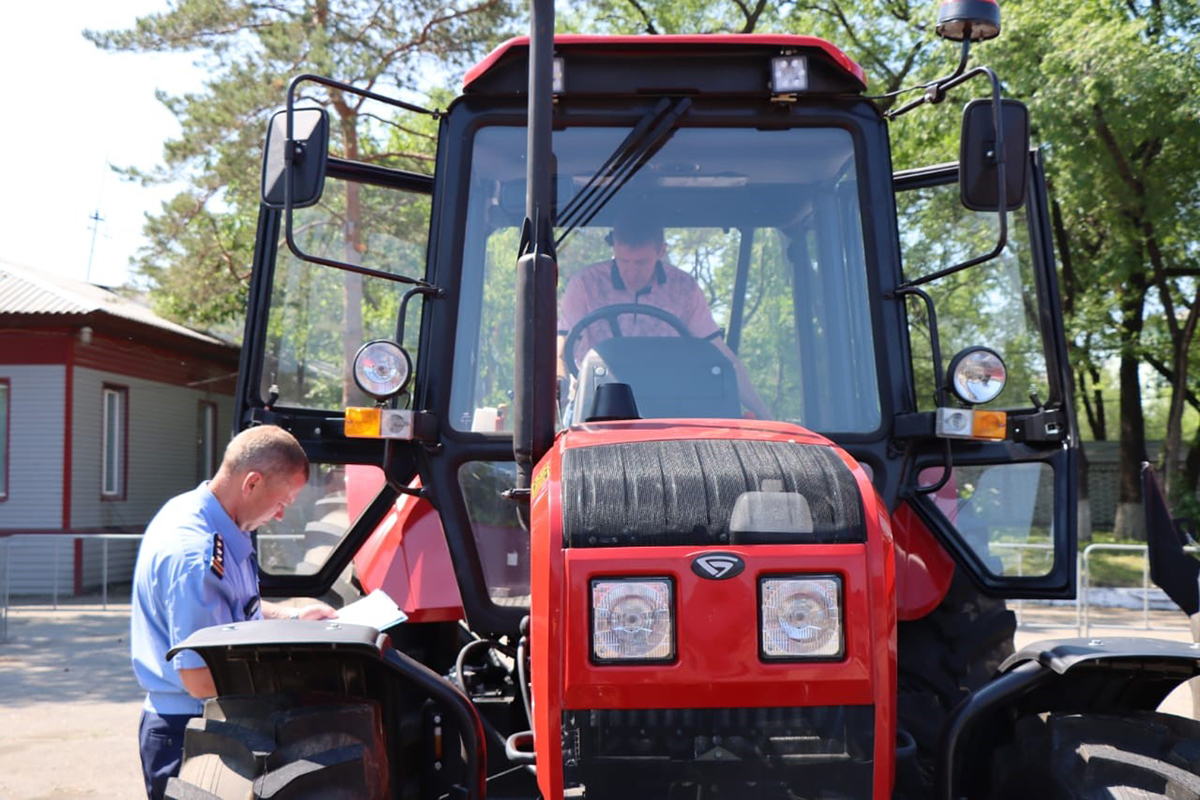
pixel 68 429
pixel 923 567
pixel 407 557
pixel 717 662
pixel 672 43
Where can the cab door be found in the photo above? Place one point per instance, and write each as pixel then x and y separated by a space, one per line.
pixel 1005 510
pixel 307 317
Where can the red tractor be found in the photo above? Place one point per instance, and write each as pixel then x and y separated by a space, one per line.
pixel 619 583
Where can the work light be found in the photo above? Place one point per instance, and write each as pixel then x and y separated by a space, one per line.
pixel 800 617
pixel 977 375
pixel 632 620
pixel 789 74
pixel 381 368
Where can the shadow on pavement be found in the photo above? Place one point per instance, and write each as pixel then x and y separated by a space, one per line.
pixel 74 653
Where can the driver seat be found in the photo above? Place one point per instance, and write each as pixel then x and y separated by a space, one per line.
pixel 671 377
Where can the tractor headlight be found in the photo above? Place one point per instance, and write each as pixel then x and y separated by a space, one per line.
pixel 800 618
pixel 633 620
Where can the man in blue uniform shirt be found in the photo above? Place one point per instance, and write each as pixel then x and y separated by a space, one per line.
pixel 196 567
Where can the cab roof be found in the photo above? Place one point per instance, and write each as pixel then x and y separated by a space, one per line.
pixel 690 44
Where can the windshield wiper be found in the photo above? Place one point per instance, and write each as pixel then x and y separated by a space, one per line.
pixel 646 138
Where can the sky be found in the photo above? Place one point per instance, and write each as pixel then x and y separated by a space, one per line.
pixel 72 110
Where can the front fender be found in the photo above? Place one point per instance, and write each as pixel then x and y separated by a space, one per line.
pixel 1099 675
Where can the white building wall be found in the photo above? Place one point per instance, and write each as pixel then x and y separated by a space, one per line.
pixel 35 448
pixel 162 448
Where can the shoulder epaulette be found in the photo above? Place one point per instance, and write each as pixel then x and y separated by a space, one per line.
pixel 218 556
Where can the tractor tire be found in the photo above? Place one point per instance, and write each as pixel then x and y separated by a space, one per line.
pixel 283 747
pixel 943 657
pixel 1084 756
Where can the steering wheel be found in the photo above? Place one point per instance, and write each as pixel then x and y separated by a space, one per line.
pixel 611 313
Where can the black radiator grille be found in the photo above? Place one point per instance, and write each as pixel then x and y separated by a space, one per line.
pixel 825 751
pixel 684 492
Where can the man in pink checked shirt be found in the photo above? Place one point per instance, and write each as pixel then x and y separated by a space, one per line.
pixel 638 275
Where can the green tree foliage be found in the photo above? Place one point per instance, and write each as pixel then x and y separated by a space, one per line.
pixel 198 258
pixel 1113 90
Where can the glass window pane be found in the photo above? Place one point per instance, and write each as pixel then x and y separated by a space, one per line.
pixel 206 441
pixel 319 315
pixel 1004 512
pixel 4 422
pixel 111 479
pixel 993 304
pixel 775 254
pixel 503 544
pixel 300 543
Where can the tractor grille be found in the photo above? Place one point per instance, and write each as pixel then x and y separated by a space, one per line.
pixel 761 753
pixel 686 493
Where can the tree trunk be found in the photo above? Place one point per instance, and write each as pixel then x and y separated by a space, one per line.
pixel 1130 522
pixel 1173 446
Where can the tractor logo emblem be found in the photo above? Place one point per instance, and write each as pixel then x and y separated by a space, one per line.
pixel 718 566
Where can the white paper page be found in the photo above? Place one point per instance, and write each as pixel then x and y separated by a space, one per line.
pixel 376 610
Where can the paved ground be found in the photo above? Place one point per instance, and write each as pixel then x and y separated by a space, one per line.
pixel 69 705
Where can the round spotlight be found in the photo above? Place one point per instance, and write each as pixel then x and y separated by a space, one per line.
pixel 977 375
pixel 382 368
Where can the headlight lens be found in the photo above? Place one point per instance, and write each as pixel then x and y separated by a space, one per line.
pixel 381 368
pixel 632 620
pixel 801 617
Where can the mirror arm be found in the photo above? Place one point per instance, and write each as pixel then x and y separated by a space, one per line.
pixel 1001 188
pixel 291 150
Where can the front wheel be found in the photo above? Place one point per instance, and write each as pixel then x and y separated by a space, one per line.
pixel 1143 755
pixel 276 746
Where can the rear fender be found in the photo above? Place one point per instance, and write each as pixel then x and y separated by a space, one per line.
pixel 1106 676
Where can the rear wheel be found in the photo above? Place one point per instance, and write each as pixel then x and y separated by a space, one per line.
pixel 1084 756
pixel 284 746
pixel 943 657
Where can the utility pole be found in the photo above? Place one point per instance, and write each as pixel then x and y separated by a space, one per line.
pixel 96 220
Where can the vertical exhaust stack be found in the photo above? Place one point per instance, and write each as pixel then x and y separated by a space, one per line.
pixel 537 268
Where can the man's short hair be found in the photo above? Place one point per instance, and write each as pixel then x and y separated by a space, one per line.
pixel 637 230
pixel 266 449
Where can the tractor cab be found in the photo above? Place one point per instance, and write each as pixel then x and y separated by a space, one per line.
pixel 797 280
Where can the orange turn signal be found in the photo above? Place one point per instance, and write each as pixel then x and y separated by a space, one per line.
pixel 989 425
pixel 363 422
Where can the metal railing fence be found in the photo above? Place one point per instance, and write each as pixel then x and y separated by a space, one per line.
pixel 58 542
pixel 1082 604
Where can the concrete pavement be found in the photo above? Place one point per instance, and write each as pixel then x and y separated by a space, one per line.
pixel 69 704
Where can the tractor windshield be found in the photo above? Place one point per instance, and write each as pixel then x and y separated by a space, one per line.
pixel 719 274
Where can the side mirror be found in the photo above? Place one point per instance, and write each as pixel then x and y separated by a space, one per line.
pixel 977 177
pixel 309 152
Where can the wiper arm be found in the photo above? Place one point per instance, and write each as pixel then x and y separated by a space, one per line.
pixel 646 138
